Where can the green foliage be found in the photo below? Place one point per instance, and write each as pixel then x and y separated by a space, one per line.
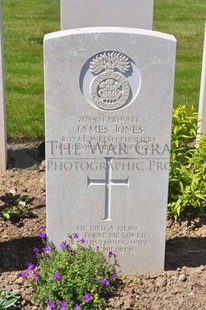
pixel 18 210
pixel 8 299
pixel 76 276
pixel 187 186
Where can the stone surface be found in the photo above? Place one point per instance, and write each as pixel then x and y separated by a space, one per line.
pixel 106 13
pixel 108 96
pixel 182 277
pixel 3 155
pixel 202 101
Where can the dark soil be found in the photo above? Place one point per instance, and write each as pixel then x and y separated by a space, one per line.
pixel 182 286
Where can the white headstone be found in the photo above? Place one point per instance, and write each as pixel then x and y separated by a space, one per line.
pixel 101 13
pixel 109 95
pixel 3 157
pixel 202 101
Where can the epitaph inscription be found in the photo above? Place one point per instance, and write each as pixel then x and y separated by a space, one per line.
pixel 114 238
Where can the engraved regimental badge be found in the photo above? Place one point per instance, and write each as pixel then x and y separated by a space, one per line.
pixel 110 81
pixel 110 89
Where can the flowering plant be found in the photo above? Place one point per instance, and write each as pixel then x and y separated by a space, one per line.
pixel 74 277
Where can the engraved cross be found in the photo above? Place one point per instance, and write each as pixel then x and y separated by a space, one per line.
pixel 108 182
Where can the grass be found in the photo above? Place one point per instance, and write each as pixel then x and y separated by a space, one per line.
pixel 24 24
pixel 185 19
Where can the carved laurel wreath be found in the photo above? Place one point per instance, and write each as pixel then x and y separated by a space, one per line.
pixel 110 61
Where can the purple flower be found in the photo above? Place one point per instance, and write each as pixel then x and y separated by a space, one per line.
pixel 103 281
pixel 75 236
pixel 63 305
pixel 35 275
pixel 72 252
pixel 36 250
pixel 63 245
pixel 77 307
pixel 42 234
pixel 30 267
pixel 82 240
pixel 23 274
pixel 87 297
pixel 114 275
pixel 110 254
pixel 51 304
pixel 45 249
pixel 57 276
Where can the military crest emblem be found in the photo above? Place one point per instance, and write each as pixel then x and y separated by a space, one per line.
pixel 109 81
pixel 110 89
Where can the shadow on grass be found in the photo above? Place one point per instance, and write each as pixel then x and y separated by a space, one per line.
pixel 185 251
pixel 16 254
